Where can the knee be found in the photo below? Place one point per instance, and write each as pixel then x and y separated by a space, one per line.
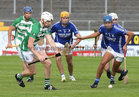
pixel 70 63
pixel 58 58
pixel 48 63
pixel 33 72
pixel 102 66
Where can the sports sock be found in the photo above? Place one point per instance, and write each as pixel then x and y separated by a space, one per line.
pixel 47 82
pixel 123 72
pixel 62 74
pixel 28 77
pixel 109 70
pixel 71 75
pixel 19 76
pixel 97 80
pixel 112 78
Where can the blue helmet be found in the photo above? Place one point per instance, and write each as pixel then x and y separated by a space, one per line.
pixel 107 18
pixel 27 9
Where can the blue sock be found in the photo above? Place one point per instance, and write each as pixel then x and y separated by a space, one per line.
pixel 109 70
pixel 62 73
pixel 112 78
pixel 123 71
pixel 97 80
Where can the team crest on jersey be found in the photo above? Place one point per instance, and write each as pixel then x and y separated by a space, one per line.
pixel 64 30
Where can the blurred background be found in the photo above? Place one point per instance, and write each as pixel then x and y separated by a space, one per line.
pixel 85 14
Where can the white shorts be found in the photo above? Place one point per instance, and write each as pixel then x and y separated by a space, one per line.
pixel 59 45
pixel 27 56
pixel 103 51
pixel 119 57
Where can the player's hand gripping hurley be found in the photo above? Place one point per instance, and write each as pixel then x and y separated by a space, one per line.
pixel 64 52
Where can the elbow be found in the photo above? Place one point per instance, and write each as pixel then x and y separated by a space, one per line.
pixel 132 34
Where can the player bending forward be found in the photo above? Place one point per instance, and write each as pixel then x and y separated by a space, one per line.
pixel 115 38
pixel 30 51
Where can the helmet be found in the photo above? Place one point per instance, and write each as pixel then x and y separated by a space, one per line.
pixel 64 14
pixel 46 16
pixel 27 8
pixel 107 18
pixel 114 15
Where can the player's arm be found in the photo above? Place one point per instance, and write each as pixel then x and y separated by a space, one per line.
pixel 130 36
pixel 51 42
pixel 96 39
pixel 76 42
pixel 32 49
pixel 12 28
pixel 89 36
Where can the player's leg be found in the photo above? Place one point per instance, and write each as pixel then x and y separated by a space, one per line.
pixel 29 78
pixel 30 70
pixel 47 72
pixel 115 68
pixel 59 62
pixel 121 71
pixel 70 67
pixel 106 58
pixel 107 69
pixel 60 68
pixel 107 66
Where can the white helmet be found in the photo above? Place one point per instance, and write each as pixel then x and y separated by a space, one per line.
pixel 114 15
pixel 46 16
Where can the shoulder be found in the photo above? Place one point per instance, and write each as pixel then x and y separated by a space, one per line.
pixel 102 26
pixel 33 20
pixel 71 24
pixel 56 24
pixel 118 28
pixel 36 27
pixel 19 19
pixel 118 25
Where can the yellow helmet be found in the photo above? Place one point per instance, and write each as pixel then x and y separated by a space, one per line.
pixel 64 14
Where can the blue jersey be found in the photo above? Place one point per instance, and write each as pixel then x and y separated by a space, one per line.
pixel 64 34
pixel 115 37
pixel 104 44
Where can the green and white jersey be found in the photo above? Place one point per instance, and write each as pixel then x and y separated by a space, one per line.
pixel 37 33
pixel 22 28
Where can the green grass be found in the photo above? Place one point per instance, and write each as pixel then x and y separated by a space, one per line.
pixel 84 70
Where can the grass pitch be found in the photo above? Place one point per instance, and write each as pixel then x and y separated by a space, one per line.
pixel 84 71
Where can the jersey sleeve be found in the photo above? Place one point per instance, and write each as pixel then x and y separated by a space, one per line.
pixel 53 29
pixel 34 21
pixel 34 32
pixel 74 29
pixel 122 31
pixel 101 29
